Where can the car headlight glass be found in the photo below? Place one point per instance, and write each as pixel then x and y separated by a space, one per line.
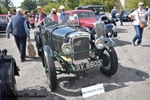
pixel 66 48
pixel 114 29
pixel 99 43
pixel 109 34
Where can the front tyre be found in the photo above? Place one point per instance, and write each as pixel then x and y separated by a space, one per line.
pixel 38 45
pixel 50 72
pixel 110 62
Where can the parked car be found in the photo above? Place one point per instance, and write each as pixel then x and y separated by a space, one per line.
pixel 8 71
pixel 125 16
pixel 3 23
pixel 87 18
pixel 73 48
pixel 97 9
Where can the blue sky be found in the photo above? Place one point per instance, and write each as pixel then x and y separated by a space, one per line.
pixel 17 2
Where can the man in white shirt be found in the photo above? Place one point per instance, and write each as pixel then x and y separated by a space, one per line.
pixel 137 19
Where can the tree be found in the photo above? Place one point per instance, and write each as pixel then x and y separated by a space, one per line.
pixel 28 4
pixel 108 4
pixel 6 4
pixel 47 8
pixel 60 1
pixel 133 3
pixel 42 2
pixel 71 4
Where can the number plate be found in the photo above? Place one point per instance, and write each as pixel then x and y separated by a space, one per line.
pixel 90 64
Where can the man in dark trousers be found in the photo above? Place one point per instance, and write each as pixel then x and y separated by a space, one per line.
pixel 20 32
pixel 121 16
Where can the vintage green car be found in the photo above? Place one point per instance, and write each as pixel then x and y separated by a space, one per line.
pixel 70 48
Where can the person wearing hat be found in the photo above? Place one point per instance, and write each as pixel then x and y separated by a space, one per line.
pixel 63 17
pixel 54 15
pixel 41 15
pixel 138 16
pixel 20 32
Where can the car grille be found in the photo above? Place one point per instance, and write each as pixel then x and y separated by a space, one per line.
pixel 100 29
pixel 81 44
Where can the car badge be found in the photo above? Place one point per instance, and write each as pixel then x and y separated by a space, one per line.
pixel 78 43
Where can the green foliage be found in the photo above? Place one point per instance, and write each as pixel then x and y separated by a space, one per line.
pixel 6 4
pixel 42 2
pixel 28 5
pixel 71 4
pixel 134 3
pixel 47 8
pixel 108 4
pixel 4 11
pixel 60 1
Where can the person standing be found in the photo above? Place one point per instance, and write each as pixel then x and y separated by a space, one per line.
pixel 41 16
pixel 20 32
pixel 63 17
pixel 113 15
pixel 138 16
pixel 54 15
pixel 13 11
pixel 31 21
pixel 32 14
pixel 113 12
pixel 121 16
pixel 8 16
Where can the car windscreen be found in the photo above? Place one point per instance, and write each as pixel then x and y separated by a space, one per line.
pixel 97 10
pixel 85 14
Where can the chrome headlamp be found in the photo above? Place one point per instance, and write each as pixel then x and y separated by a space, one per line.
pixel 66 48
pixel 114 29
pixel 109 34
pixel 99 43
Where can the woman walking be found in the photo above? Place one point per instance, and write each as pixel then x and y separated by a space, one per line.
pixel 138 16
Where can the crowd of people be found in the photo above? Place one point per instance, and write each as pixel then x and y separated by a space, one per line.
pixel 20 22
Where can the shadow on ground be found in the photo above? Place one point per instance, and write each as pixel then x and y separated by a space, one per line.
pixel 2 35
pixel 121 42
pixel 37 93
pixel 70 86
pixel 121 30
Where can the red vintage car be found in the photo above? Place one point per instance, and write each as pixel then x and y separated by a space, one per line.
pixel 86 17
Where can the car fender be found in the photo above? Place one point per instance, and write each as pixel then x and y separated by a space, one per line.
pixel 47 51
pixel 110 42
pixel 8 70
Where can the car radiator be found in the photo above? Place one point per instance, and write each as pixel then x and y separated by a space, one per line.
pixel 81 44
pixel 100 29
